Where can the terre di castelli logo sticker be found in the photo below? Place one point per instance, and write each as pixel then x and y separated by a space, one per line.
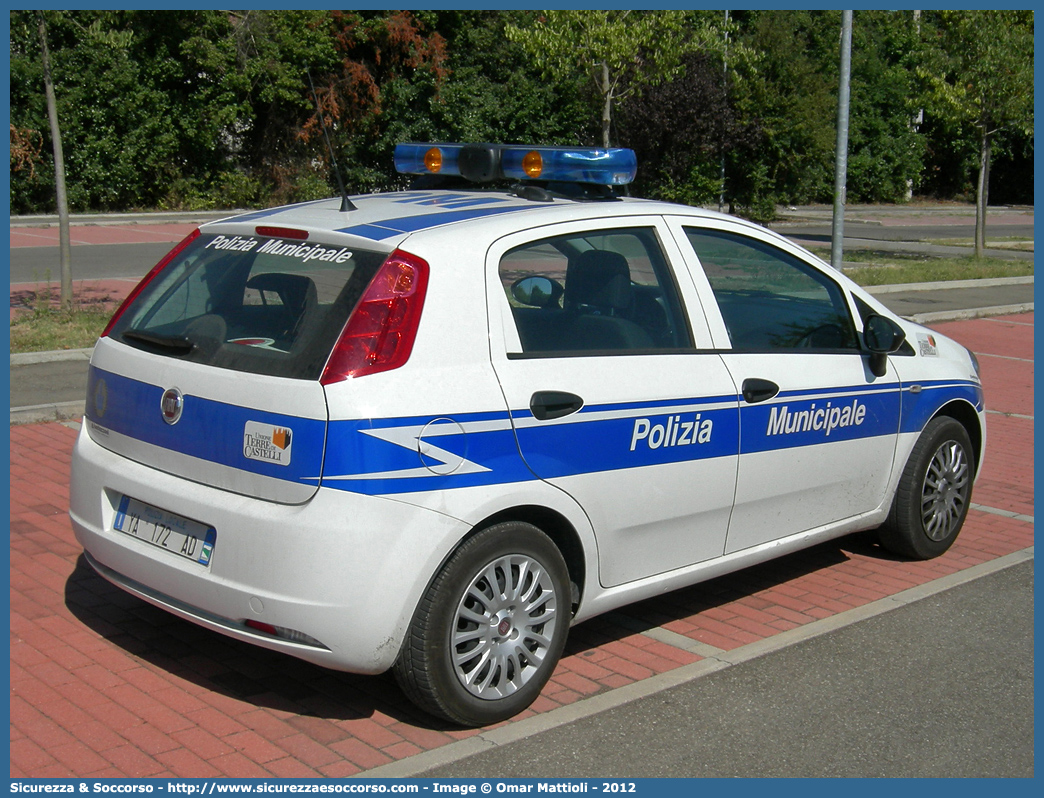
pixel 267 442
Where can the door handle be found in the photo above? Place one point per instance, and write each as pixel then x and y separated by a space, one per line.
pixel 547 405
pixel 756 390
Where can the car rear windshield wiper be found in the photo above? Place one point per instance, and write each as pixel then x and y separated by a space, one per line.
pixel 168 344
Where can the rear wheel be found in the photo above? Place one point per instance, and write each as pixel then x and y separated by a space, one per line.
pixel 491 628
pixel 934 491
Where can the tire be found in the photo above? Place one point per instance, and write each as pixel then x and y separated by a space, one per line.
pixel 934 492
pixel 475 654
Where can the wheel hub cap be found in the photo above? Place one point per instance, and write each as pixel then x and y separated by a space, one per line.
pixel 944 495
pixel 504 624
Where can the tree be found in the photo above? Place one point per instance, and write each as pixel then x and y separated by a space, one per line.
pixel 495 92
pixel 64 239
pixel 886 150
pixel 680 130
pixel 791 94
pixel 622 51
pixel 979 73
pixel 380 57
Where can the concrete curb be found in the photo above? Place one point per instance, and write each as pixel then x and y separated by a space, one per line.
pixel 487 740
pixel 989 282
pixel 32 358
pixel 36 414
pixel 969 313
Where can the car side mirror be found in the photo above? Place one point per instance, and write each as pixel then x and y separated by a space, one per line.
pixel 881 336
pixel 537 291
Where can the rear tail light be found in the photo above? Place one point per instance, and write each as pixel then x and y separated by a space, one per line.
pixel 380 332
pixel 149 278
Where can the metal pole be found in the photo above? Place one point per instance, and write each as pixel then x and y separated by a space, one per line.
pixel 841 153
pixel 61 196
pixel 918 120
pixel 725 91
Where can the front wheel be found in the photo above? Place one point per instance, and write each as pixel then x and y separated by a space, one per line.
pixel 491 628
pixel 934 492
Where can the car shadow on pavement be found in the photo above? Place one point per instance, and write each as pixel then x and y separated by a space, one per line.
pixel 269 679
pixel 232 668
pixel 714 593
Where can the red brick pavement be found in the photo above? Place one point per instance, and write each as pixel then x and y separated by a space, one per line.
pixel 101 295
pixel 103 684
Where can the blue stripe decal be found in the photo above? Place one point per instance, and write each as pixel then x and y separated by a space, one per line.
pixel 378 231
pixel 382 456
pixel 208 430
pixel 918 408
pixel 446 200
pixel 654 404
pixel 826 418
pixel 634 440
pixel 428 453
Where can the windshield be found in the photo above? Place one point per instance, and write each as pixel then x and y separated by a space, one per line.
pixel 263 305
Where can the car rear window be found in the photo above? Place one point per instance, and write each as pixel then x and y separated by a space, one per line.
pixel 249 303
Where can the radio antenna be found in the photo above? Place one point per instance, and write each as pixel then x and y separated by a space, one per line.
pixel 346 204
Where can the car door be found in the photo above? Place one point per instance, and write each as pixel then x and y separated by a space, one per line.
pixel 594 342
pixel 818 429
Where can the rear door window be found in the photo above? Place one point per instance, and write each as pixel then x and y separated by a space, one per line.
pixel 261 305
pixel 602 291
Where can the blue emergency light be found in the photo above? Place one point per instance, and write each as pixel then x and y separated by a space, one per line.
pixel 482 163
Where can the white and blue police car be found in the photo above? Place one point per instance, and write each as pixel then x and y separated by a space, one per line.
pixel 430 430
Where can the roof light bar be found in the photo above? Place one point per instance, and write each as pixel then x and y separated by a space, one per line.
pixel 612 167
pixel 485 162
pixel 427 159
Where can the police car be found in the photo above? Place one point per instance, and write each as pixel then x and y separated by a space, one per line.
pixel 429 430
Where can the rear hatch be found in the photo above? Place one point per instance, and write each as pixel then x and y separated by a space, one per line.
pixel 211 370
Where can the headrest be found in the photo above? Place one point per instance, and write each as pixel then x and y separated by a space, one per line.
pixel 296 291
pixel 600 279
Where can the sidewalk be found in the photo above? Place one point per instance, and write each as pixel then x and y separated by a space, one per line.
pixel 104 685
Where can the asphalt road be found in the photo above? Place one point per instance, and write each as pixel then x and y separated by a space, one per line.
pixel 48 381
pixel 909 693
pixel 925 231
pixel 94 262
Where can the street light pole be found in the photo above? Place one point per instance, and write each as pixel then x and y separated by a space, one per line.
pixel 841 152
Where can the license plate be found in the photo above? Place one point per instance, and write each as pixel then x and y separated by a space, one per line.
pixel 180 536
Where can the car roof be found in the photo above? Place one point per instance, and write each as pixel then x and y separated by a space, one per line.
pixel 387 219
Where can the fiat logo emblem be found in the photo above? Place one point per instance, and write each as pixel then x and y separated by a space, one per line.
pixel 171 405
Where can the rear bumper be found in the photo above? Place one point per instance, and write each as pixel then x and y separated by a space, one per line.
pixel 345 569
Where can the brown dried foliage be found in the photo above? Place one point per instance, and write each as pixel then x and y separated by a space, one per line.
pixel 26 148
pixel 373 52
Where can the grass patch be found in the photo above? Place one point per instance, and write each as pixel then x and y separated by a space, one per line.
pixel 48 329
pixel 1012 243
pixel 895 270
pixel 873 267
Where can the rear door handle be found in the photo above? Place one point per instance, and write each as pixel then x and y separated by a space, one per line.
pixel 756 390
pixel 547 405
